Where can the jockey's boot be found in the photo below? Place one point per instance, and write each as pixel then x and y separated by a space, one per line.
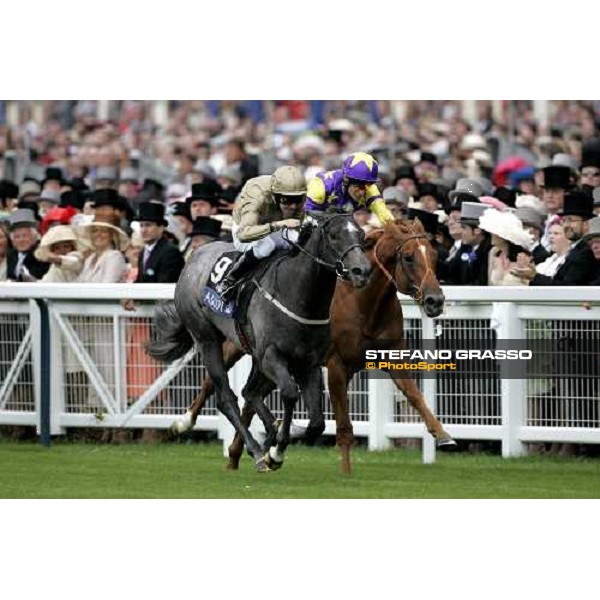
pixel 242 266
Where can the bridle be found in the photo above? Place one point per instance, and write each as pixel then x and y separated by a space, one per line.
pixel 417 295
pixel 338 266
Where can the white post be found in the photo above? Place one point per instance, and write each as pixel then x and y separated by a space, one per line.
pixel 541 112
pixel 103 110
pixel 57 377
pixel 35 323
pixel 238 376
pixel 469 111
pixel 381 411
pixel 513 391
pixel 429 393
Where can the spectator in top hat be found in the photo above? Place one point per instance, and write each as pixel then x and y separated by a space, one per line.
pixel 427 167
pixel 9 193
pixel 106 178
pixel 557 180
pixel 22 265
pixel 204 231
pixel 183 218
pixel 397 202
pixel 29 189
pixel 506 195
pixel 203 201
pixel 592 239
pixel 430 223
pixel 406 180
pixel 161 261
pixel 48 199
pixel 128 183
pixel 53 181
pixel 590 173
pixel 107 206
pixel 474 262
pixel 5 245
pixel 428 197
pixel 580 266
pixel 230 182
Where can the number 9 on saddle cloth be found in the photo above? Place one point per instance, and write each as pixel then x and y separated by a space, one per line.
pixel 246 256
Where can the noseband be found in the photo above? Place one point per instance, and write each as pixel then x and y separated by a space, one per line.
pixel 417 295
pixel 338 266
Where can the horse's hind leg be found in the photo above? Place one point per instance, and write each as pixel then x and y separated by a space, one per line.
pixel 256 389
pixel 231 355
pixel 227 401
pixel 338 378
pixel 408 386
pixel 236 448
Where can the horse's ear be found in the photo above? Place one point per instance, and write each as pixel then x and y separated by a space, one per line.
pixel 372 238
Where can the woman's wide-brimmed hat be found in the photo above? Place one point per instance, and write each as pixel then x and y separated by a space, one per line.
pixel 506 225
pixel 55 235
pixel 120 237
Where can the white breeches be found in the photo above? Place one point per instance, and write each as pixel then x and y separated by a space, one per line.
pixel 267 245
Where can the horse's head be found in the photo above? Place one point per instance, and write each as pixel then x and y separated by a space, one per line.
pixel 337 240
pixel 403 252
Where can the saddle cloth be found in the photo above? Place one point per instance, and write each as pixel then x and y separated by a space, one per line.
pixel 210 297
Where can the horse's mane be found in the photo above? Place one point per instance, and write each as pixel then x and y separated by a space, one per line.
pixel 393 229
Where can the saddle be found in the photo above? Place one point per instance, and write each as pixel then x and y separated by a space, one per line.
pixel 237 307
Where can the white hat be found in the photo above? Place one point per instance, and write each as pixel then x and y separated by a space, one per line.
pixel 473 141
pixel 118 234
pixel 506 225
pixel 529 201
pixel 55 235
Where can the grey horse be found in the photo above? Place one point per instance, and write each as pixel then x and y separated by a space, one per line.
pixel 287 329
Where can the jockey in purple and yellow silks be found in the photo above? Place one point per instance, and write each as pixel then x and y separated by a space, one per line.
pixel 349 188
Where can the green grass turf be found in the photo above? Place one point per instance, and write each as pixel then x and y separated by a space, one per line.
pixel 84 470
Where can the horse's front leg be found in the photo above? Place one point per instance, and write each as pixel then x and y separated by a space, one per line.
pixel 407 385
pixel 276 367
pixel 311 384
pixel 227 401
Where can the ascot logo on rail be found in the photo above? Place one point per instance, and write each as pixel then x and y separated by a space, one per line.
pixel 374 355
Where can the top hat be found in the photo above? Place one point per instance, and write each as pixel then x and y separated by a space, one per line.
pixel 429 157
pixel 530 217
pixel 471 211
pixel 74 198
pixel 506 195
pixel 53 174
pixel 593 229
pixel 153 212
pixel 405 172
pixel 181 209
pixel 557 177
pixel 22 217
pixel 129 174
pixel 466 187
pixel 8 189
pixel 206 226
pixel 578 204
pixel 108 173
pixel 428 220
pixel 396 196
pixel 106 197
pixel 429 189
pixel 203 191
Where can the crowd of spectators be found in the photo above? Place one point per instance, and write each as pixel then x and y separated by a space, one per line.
pixel 127 195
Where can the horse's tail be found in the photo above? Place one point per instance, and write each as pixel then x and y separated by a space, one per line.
pixel 170 340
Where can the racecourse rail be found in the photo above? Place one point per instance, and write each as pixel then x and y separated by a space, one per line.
pixel 71 356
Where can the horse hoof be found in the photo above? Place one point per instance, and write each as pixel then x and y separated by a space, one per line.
pixel 273 464
pixel 182 424
pixel 261 466
pixel 233 466
pixel 447 445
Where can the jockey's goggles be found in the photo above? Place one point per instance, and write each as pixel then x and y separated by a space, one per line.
pixel 358 183
pixel 288 200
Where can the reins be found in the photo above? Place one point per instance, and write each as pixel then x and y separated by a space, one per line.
pixel 418 295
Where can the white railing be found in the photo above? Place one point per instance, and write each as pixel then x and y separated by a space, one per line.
pixel 100 375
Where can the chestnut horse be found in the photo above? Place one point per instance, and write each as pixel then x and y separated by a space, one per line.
pixel 405 263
